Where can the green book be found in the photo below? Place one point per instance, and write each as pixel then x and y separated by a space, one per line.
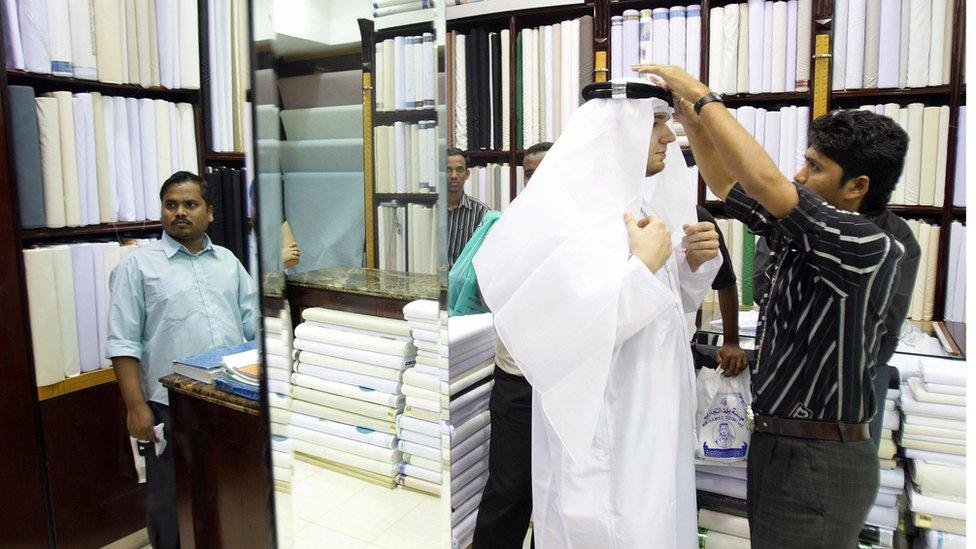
pixel 748 257
pixel 518 93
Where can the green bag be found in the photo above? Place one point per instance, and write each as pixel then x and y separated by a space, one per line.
pixel 463 297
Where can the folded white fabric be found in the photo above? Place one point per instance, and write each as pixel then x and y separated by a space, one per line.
pixel 460 431
pixel 722 522
pixel 914 430
pixel 929 446
pixel 420 426
pixel 359 331
pixel 725 486
pixel 731 471
pixel 721 540
pixel 460 494
pixel 920 503
pixel 911 406
pixel 472 377
pixel 377 384
pixel 346 458
pixel 361 434
pixel 945 389
pixel 357 341
pixel 423 404
pixel 895 478
pixel 358 355
pixel 423 310
pixel 419 438
pixel 424 381
pixel 420 472
pixel 935 457
pixel 352 366
pixel 922 394
pixel 886 517
pixel 419 450
pixel 936 539
pixel 302 381
pixel 939 480
pixel 946 372
pixel 379 453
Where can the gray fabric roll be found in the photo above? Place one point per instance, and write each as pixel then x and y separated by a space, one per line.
pixel 322 155
pixel 27 156
pixel 322 90
pixel 325 213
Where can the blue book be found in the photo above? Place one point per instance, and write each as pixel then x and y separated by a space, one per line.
pixel 229 385
pixel 211 359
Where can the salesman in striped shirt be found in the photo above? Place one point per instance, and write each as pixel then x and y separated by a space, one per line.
pixel 463 212
pixel 813 469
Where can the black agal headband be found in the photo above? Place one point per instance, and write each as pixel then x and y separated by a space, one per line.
pixel 626 90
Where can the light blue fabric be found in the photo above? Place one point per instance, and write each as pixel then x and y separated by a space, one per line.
pixel 325 213
pixel 168 304
pixel 322 155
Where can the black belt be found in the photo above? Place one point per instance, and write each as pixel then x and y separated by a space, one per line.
pixel 818 430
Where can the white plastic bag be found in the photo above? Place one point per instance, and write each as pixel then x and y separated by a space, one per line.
pixel 721 418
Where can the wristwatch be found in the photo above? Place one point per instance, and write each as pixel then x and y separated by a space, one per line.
pixel 708 98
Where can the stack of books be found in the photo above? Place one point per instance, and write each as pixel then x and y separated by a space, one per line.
pixel 241 374
pixel 206 366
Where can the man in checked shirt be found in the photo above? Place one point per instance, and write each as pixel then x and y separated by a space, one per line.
pixel 813 468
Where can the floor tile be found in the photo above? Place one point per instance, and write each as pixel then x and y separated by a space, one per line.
pixel 318 494
pixel 367 514
pixel 318 537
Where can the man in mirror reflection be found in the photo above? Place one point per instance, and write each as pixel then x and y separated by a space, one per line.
pixel 812 468
pixel 464 213
pixel 180 296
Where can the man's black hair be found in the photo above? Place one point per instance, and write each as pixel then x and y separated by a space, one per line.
pixel 454 151
pixel 538 148
pixel 863 143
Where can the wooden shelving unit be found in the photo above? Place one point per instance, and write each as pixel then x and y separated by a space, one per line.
pixel 77 383
pixel 141 228
pixel 47 82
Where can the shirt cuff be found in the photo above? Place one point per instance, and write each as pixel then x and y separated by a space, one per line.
pixel 738 204
pixel 123 348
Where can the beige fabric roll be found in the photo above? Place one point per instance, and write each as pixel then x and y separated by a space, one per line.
pixel 132 41
pixel 939 479
pixel 64 288
pixel 119 20
pixel 188 138
pixel 355 320
pixel 947 44
pixel 931 268
pixel 742 68
pixel 48 122
pixel 382 165
pixel 174 138
pixel 913 162
pixel 506 86
pixel 240 67
pixel 918 293
pixel 108 40
pixel 69 159
pixel 942 156
pixel 929 160
pixel 42 298
pixel 163 152
pixel 143 38
pixel 153 44
pixel 189 46
pixel 105 213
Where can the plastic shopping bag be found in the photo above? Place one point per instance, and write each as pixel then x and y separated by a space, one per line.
pixel 462 288
pixel 721 418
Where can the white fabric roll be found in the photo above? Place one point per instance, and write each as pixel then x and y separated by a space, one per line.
pixel 802 125
pixel 108 191
pixel 767 52
pixel 889 30
pixel 778 78
pixel 123 161
pixel 756 17
pixel 771 133
pixel 929 158
pixel 35 37
pixel 661 37
pixel 128 17
pixel 913 160
pixel 86 310
pixel 150 176
pixel 854 67
pixel 84 63
pixel 85 101
pixel 549 76
pixel 188 138
pixel 65 291
pixel 904 40
pixel 48 122
pixel 804 17
pixel 730 48
pixel 174 138
pixel 631 41
pixel 716 49
pixel 86 178
pixel 135 157
pixel 645 31
pixel 616 46
pixel 693 40
pixel 506 86
pixel 942 154
pixel 937 47
pixel 108 40
pixel 69 159
pixel 791 37
pixel 189 46
pixel 163 147
pixel 839 59
pixel 742 51
pixel 13 49
pixel 59 33
pixel 154 42
pixel 947 43
pixel 872 42
pixel 677 22
pixel 460 85
pixel 721 522
pixel 931 269
pixel 918 294
pixel 42 298
pixel 167 37
pixel 143 47
pixel 919 42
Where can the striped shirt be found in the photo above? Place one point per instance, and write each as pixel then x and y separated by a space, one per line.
pixel 461 224
pixel 823 320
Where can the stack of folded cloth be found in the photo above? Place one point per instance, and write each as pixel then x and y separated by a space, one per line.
pixel 346 392
pixel 278 346
pixel 717 529
pixel 471 365
pixel 934 440
pixel 882 520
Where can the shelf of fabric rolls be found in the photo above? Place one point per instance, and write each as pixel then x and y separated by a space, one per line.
pixel 930 92
pixel 105 229
pixel 224 157
pixel 785 98
pixel 46 82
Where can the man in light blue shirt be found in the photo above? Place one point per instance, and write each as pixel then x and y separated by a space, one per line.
pixel 177 297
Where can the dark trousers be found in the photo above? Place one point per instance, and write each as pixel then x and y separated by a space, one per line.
pixel 162 523
pixel 882 380
pixel 506 506
pixel 809 494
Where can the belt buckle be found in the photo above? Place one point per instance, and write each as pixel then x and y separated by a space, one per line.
pixel 750 419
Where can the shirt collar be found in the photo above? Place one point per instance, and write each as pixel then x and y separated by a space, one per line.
pixel 466 202
pixel 171 247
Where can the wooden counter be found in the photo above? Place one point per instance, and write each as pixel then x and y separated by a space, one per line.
pixel 223 481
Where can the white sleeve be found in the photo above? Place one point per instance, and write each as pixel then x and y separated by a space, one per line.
pixel 642 298
pixel 695 284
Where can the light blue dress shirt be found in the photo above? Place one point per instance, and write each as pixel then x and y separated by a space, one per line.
pixel 168 304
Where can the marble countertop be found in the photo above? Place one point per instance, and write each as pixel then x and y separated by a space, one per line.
pixel 274 284
pixel 372 282
pixel 210 393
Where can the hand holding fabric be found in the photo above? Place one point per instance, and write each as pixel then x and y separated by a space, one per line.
pixel 732 359
pixel 649 240
pixel 139 422
pixel 682 85
pixel 701 243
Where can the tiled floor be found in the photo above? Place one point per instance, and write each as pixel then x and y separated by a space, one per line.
pixel 330 509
